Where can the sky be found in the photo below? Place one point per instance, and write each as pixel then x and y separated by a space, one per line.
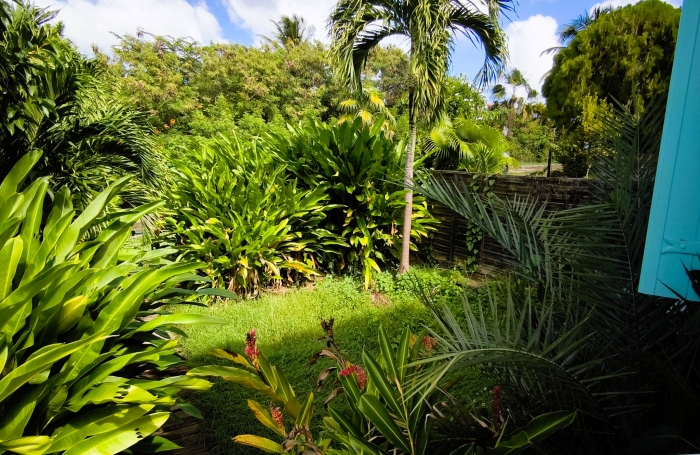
pixel 530 30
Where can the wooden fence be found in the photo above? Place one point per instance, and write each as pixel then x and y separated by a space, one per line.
pixel 449 241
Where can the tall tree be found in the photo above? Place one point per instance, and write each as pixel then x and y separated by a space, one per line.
pixel 55 100
pixel 625 55
pixel 430 27
pixel 513 80
pixel 568 31
pixel 291 31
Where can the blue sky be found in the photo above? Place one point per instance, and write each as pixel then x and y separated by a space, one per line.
pixel 531 29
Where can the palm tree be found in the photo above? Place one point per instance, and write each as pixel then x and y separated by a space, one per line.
pixel 291 31
pixel 515 80
pixel 63 104
pixel 463 144
pixel 367 106
pixel 430 27
pixel 568 31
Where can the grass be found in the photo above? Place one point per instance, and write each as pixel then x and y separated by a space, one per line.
pixel 288 330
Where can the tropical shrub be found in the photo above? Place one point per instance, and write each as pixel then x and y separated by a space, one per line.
pixel 234 209
pixel 360 168
pixel 56 100
pixel 385 413
pixel 82 334
pixel 463 144
pixel 573 331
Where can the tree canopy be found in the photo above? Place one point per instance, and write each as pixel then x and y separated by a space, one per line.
pixel 624 55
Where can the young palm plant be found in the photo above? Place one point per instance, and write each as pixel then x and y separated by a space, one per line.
pixel 570 329
pixel 430 27
pixel 463 144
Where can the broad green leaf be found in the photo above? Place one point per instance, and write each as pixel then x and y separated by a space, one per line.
pixel 155 444
pixel 237 376
pixel 264 444
pixel 176 319
pixel 376 413
pixel 96 421
pixel 346 424
pixel 71 311
pixel 230 355
pixel 306 413
pixel 264 417
pixel 9 258
pixel 379 380
pixel 362 446
pixel 30 445
pixel 120 439
pixel 387 354
pixel 538 429
pixel 16 176
pixel 39 362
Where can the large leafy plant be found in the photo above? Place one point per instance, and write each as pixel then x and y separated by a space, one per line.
pixel 359 167
pixel 463 144
pixel 56 100
pixel 387 414
pixel 81 332
pixel 572 330
pixel 233 208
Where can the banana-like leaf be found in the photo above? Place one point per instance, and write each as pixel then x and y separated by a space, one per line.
pixel 121 438
pixel 16 176
pixel 95 422
pixel 39 362
pixel 264 444
pixel 237 376
pixel 30 445
pixel 9 258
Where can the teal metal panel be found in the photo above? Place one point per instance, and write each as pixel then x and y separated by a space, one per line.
pixel 673 238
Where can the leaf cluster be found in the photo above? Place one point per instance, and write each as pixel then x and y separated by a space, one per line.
pixel 82 335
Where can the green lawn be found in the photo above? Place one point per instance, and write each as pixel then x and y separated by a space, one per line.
pixel 288 329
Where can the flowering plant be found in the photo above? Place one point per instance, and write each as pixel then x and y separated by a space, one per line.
pixel 386 414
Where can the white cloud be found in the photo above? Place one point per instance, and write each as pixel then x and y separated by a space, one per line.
pixel 89 22
pixel 526 41
pixel 257 15
pixel 618 3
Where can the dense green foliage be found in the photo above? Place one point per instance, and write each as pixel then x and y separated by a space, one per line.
pixel 82 336
pixel 624 56
pixel 234 208
pixel 589 339
pixel 55 100
pixel 385 413
pixel 430 26
pixel 359 168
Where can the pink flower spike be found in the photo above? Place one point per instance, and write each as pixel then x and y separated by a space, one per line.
pixel 251 350
pixel 429 343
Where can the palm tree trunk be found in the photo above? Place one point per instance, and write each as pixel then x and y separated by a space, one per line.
pixel 408 182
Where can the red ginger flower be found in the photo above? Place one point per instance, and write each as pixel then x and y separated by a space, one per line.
pixel 497 405
pixel 276 415
pixel 429 343
pixel 359 374
pixel 251 350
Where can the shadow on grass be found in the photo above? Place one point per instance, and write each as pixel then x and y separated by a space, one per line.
pixel 225 407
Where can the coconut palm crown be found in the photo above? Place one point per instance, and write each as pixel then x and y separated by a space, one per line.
pixel 430 26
